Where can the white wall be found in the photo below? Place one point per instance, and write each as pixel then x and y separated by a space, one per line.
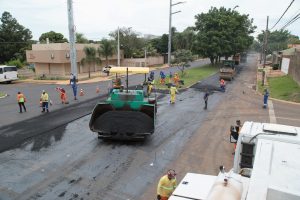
pixel 285 65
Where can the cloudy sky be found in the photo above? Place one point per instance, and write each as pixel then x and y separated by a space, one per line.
pixel 96 18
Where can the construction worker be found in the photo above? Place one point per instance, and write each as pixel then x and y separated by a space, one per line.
pixel 21 101
pixel 117 83
pixel 173 91
pixel 63 95
pixel 235 131
pixel 266 96
pixel 166 185
pixel 73 83
pixel 162 77
pixel 205 98
pixel 222 85
pixel 170 77
pixel 45 101
pixel 151 76
pixel 176 79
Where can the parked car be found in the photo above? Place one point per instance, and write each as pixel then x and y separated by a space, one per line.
pixel 107 68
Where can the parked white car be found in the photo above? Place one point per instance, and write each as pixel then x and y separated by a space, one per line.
pixel 107 68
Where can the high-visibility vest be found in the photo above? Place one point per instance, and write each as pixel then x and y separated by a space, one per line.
pixel 166 186
pixel 45 97
pixel 173 90
pixel 21 98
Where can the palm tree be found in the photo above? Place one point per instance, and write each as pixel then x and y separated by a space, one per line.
pixel 106 49
pixel 90 57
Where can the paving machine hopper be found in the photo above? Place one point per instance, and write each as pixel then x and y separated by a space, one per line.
pixel 126 114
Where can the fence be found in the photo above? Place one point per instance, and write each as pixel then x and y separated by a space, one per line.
pixel 140 62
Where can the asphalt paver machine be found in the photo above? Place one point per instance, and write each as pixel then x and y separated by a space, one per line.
pixel 127 113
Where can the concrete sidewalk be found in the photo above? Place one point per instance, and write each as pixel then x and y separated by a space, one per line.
pixel 83 78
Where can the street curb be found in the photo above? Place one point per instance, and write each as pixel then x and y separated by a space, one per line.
pixel 280 100
pixel 3 96
pixel 283 101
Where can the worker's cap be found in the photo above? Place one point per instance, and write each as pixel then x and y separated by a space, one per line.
pixel 43 91
pixel 171 173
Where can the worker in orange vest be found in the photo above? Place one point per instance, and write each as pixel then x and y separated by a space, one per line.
pixel 21 101
pixel 63 94
pixel 166 185
pixel 176 79
pixel 222 85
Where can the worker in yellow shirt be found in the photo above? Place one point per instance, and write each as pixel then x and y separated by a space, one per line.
pixel 44 99
pixel 166 185
pixel 173 91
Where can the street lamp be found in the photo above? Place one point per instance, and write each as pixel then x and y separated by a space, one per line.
pixel 170 28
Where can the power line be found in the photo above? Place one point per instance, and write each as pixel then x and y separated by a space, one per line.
pixel 291 21
pixel 283 14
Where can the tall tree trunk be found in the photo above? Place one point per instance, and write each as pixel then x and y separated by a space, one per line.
pixel 89 70
pixel 211 60
pixel 106 58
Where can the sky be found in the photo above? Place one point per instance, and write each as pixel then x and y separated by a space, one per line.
pixel 97 18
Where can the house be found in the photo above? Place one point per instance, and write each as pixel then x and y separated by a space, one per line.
pixel 53 59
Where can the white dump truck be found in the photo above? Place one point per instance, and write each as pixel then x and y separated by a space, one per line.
pixel 266 167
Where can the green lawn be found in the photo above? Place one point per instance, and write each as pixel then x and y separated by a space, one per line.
pixel 192 75
pixel 2 94
pixel 283 87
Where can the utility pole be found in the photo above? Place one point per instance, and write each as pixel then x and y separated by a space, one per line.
pixel 72 39
pixel 265 52
pixel 170 30
pixel 118 46
pixel 170 33
pixel 145 57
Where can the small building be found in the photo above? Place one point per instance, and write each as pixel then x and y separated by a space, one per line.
pixel 54 59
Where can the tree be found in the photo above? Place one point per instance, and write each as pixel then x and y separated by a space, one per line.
pixel 53 37
pixel 81 39
pixel 185 39
pixel 161 44
pixel 14 39
pixel 130 43
pixel 90 57
pixel 293 39
pixel 222 32
pixel 182 59
pixel 278 40
pixel 106 49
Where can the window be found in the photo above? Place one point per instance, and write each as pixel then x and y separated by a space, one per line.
pixel 1 71
pixel 10 69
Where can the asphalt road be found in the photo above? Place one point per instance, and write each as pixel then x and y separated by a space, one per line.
pixel 61 160
pixel 9 108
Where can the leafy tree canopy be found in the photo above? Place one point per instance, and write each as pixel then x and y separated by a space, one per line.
pixel 130 42
pixel 222 32
pixel 106 49
pixel 182 59
pixel 53 37
pixel 14 39
pixel 80 38
pixel 278 40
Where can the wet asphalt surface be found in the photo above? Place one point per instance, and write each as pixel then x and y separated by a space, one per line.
pixel 65 160
pixel 9 108
pixel 69 162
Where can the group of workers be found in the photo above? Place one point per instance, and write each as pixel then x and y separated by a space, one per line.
pixel 44 98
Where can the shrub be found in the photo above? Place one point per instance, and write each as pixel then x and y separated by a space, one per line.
pixel 16 63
